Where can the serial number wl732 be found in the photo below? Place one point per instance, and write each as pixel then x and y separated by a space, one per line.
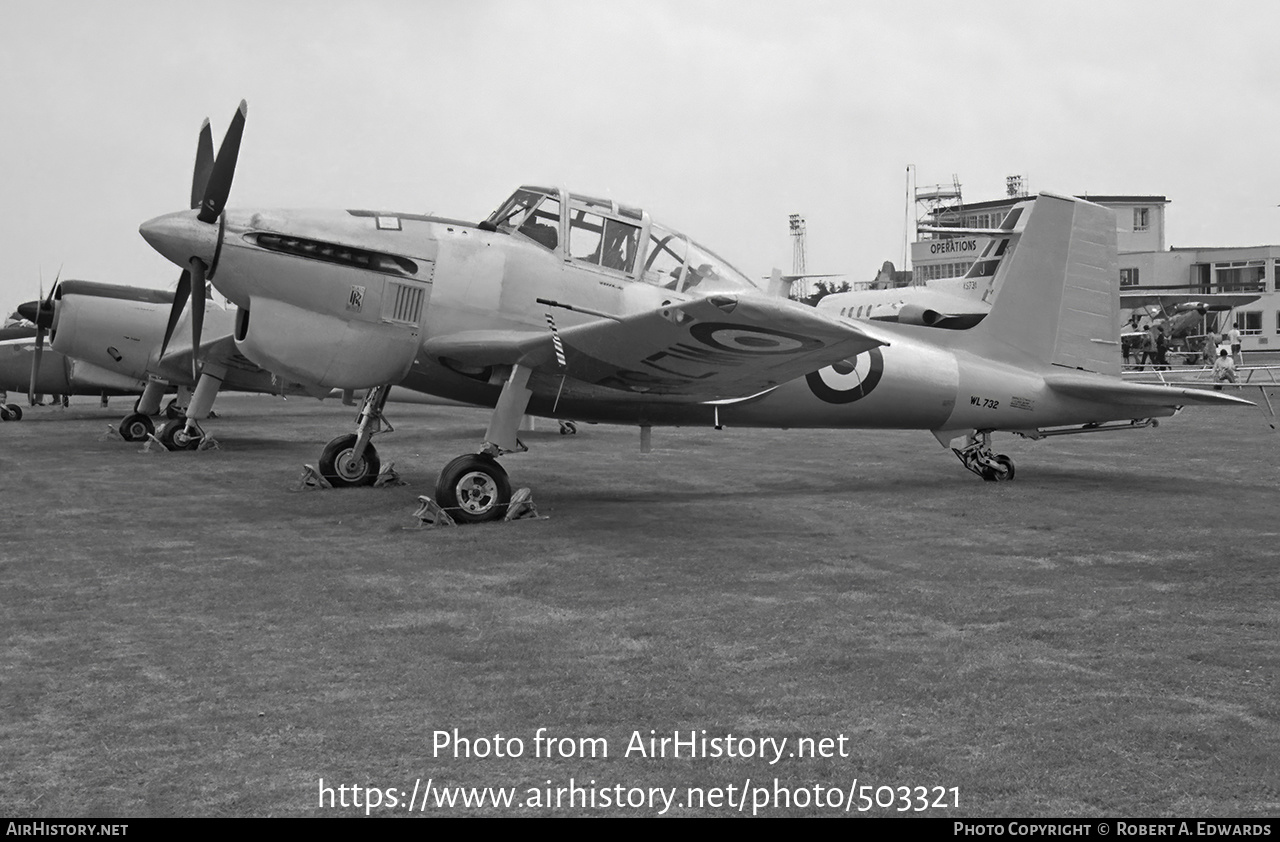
pixel 985 403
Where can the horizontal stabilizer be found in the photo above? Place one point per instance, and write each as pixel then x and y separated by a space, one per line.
pixel 1110 390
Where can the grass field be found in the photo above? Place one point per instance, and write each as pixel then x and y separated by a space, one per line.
pixel 186 634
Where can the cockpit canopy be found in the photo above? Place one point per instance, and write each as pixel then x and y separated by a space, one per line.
pixel 619 239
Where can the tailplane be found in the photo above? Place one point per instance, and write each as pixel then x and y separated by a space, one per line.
pixel 1059 297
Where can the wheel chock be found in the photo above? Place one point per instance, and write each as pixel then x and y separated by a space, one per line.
pixel 153 445
pixel 430 515
pixel 312 479
pixel 521 506
pixel 208 443
pixel 387 477
pixel 112 434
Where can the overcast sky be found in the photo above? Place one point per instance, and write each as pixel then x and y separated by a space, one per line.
pixel 721 118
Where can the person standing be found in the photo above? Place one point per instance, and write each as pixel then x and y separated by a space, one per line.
pixel 1147 353
pixel 1209 353
pixel 1234 336
pixel 1162 350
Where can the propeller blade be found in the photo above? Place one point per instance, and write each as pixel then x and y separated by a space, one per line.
pixel 35 366
pixel 175 312
pixel 224 168
pixel 197 314
pixel 204 165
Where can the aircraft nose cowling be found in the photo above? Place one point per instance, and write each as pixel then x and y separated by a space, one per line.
pixel 180 236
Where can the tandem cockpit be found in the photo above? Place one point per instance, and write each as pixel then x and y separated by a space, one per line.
pixel 618 239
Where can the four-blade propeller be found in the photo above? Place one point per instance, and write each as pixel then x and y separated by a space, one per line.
pixel 210 187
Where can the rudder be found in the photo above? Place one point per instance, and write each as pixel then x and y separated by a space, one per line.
pixel 1060 299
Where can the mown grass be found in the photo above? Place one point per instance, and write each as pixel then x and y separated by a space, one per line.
pixel 185 634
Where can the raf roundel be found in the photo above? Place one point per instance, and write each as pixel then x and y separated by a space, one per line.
pixel 846 382
pixel 742 339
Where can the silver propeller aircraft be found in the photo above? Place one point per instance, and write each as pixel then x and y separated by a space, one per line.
pixel 570 306
pixel 25 363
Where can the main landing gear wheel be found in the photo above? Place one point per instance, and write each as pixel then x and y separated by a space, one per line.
pixel 1001 472
pixel 337 466
pixel 136 427
pixel 10 412
pixel 174 436
pixel 473 489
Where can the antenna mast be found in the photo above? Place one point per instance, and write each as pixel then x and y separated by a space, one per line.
pixel 798 250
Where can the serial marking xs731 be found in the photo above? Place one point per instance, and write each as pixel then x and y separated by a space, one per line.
pixel 571 306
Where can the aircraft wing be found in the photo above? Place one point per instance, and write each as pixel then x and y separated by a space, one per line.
pixel 1213 301
pixel 714 347
pixel 17 332
pixel 1114 390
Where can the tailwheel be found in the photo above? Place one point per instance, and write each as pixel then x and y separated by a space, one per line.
pixel 338 466
pixel 473 489
pixel 174 436
pixel 136 427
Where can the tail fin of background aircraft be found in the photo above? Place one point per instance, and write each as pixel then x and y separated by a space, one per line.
pixel 1059 299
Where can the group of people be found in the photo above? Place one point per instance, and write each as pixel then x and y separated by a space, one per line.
pixel 1222 351
pixel 1152 348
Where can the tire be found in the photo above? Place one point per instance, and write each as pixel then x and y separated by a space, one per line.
pixel 473 489
pixel 172 411
pixel 1005 473
pixel 336 465
pixel 15 412
pixel 173 435
pixel 5 415
pixel 136 427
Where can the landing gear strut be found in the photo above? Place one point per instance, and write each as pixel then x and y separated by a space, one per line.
pixel 976 455
pixel 352 460
pixel 185 433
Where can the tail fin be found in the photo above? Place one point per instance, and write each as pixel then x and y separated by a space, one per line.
pixel 1059 297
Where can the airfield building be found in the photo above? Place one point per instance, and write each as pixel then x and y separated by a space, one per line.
pixel 1145 262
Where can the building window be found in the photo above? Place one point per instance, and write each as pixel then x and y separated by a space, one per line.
pixel 1240 276
pixel 1141 219
pixel 1129 277
pixel 1278 321
pixel 1251 322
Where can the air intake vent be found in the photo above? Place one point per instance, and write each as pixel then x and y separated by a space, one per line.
pixel 403 303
